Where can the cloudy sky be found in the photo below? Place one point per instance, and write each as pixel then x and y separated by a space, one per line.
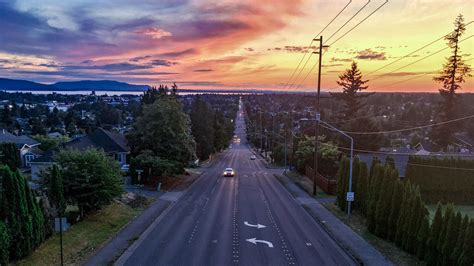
pixel 243 44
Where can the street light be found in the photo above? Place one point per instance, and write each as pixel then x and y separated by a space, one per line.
pixel 350 194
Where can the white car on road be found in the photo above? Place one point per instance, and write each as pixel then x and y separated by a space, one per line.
pixel 229 172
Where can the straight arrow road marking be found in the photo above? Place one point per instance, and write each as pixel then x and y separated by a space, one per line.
pixel 255 241
pixel 255 225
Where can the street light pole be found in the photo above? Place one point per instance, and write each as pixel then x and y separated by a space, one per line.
pixel 349 202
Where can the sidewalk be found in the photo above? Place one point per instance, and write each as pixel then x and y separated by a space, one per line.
pixel 339 231
pixel 113 249
pixel 116 246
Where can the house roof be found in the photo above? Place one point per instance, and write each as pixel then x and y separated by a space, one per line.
pixel 100 139
pixel 20 141
pixel 108 141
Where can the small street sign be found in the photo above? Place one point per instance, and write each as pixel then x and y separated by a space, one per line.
pixel 350 196
pixel 64 224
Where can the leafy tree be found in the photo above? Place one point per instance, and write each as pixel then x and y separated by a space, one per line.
pixel 91 179
pixel 164 129
pixel 453 74
pixel 47 143
pixel 202 118
pixel 155 166
pixel 4 243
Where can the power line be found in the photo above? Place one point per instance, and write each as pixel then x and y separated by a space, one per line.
pixel 307 60
pixel 416 77
pixel 386 1
pixel 353 16
pixel 406 129
pixel 423 58
pixel 411 53
pixel 378 8
pixel 312 40
pixel 393 153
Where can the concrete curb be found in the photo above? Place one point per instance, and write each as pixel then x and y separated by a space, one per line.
pixel 123 257
pixel 159 217
pixel 320 222
pixel 365 259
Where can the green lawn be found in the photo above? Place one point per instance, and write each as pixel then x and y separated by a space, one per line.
pixel 464 209
pixel 83 238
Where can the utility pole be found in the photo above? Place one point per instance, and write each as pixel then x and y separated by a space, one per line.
pixel 318 116
pixel 261 133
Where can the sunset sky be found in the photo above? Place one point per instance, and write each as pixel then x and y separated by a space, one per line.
pixel 244 44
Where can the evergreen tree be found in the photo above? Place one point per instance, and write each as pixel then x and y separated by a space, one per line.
pixel 15 214
pixel 352 84
pixel 164 129
pixel 432 253
pixel 417 215
pixel 362 188
pixel 422 237
pixel 9 155
pixel 404 215
pixel 56 190
pixel 395 209
pixel 342 175
pixel 453 74
pixel 383 205
pixel 375 191
pixel 461 239
pixel 4 243
pixel 389 161
pixel 448 216
pixel 452 235
pixel 202 118
pixel 467 255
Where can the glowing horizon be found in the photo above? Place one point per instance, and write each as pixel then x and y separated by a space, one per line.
pixel 228 44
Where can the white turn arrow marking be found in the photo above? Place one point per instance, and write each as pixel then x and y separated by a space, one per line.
pixel 253 225
pixel 255 241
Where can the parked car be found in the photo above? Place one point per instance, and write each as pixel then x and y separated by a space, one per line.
pixel 229 172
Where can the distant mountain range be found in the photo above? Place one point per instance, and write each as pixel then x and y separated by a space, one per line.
pixel 97 85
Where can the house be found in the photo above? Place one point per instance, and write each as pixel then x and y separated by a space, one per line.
pixel 113 144
pixel 27 147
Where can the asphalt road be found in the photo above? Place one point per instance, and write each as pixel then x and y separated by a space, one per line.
pixel 219 221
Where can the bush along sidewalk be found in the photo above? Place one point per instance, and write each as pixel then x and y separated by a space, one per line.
pixel 395 211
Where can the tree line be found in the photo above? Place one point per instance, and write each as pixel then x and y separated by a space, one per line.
pixel 394 211
pixel 160 140
pixel 211 127
pixel 442 179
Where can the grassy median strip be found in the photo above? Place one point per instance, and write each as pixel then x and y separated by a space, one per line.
pixel 83 238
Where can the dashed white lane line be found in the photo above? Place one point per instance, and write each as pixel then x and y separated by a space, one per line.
pixel 235 231
pixel 284 247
